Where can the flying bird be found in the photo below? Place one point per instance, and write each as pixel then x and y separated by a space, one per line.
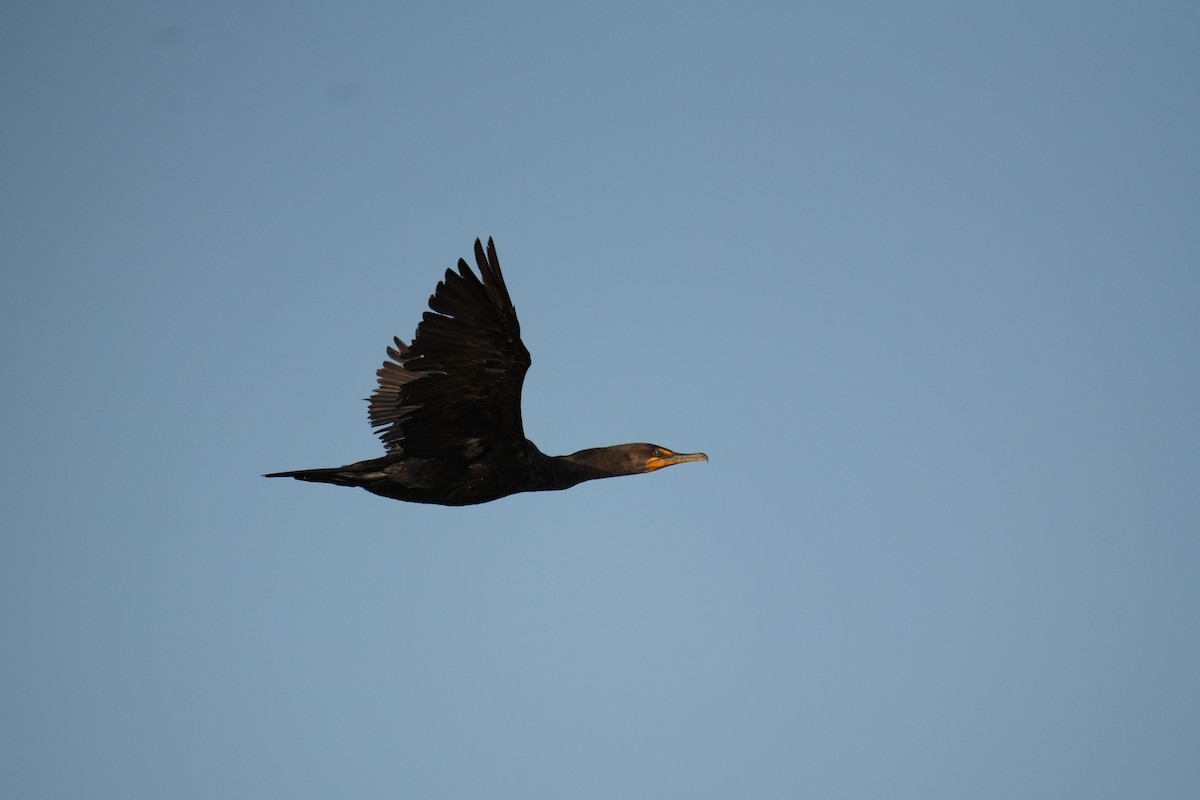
pixel 448 408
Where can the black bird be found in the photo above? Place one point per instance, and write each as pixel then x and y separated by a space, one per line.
pixel 448 408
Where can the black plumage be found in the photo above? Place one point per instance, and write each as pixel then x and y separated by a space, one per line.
pixel 448 408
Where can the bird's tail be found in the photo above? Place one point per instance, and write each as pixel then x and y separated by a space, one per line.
pixel 338 475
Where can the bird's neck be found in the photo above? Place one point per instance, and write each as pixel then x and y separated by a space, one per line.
pixel 563 472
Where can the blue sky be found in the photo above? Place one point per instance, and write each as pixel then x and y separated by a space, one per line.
pixel 922 279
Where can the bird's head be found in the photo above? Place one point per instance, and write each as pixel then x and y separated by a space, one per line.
pixel 631 459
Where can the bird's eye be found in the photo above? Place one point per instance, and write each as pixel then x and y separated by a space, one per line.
pixel 658 453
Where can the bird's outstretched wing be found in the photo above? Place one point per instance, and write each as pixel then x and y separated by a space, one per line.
pixel 458 385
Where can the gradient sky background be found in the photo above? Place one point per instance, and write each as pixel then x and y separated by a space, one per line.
pixel 923 279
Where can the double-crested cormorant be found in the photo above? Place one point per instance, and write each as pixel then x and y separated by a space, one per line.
pixel 448 408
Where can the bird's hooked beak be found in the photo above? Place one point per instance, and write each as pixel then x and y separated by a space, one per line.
pixel 665 458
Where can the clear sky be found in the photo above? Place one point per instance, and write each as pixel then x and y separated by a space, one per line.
pixel 923 279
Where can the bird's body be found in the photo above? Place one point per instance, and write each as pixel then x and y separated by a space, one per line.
pixel 449 409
